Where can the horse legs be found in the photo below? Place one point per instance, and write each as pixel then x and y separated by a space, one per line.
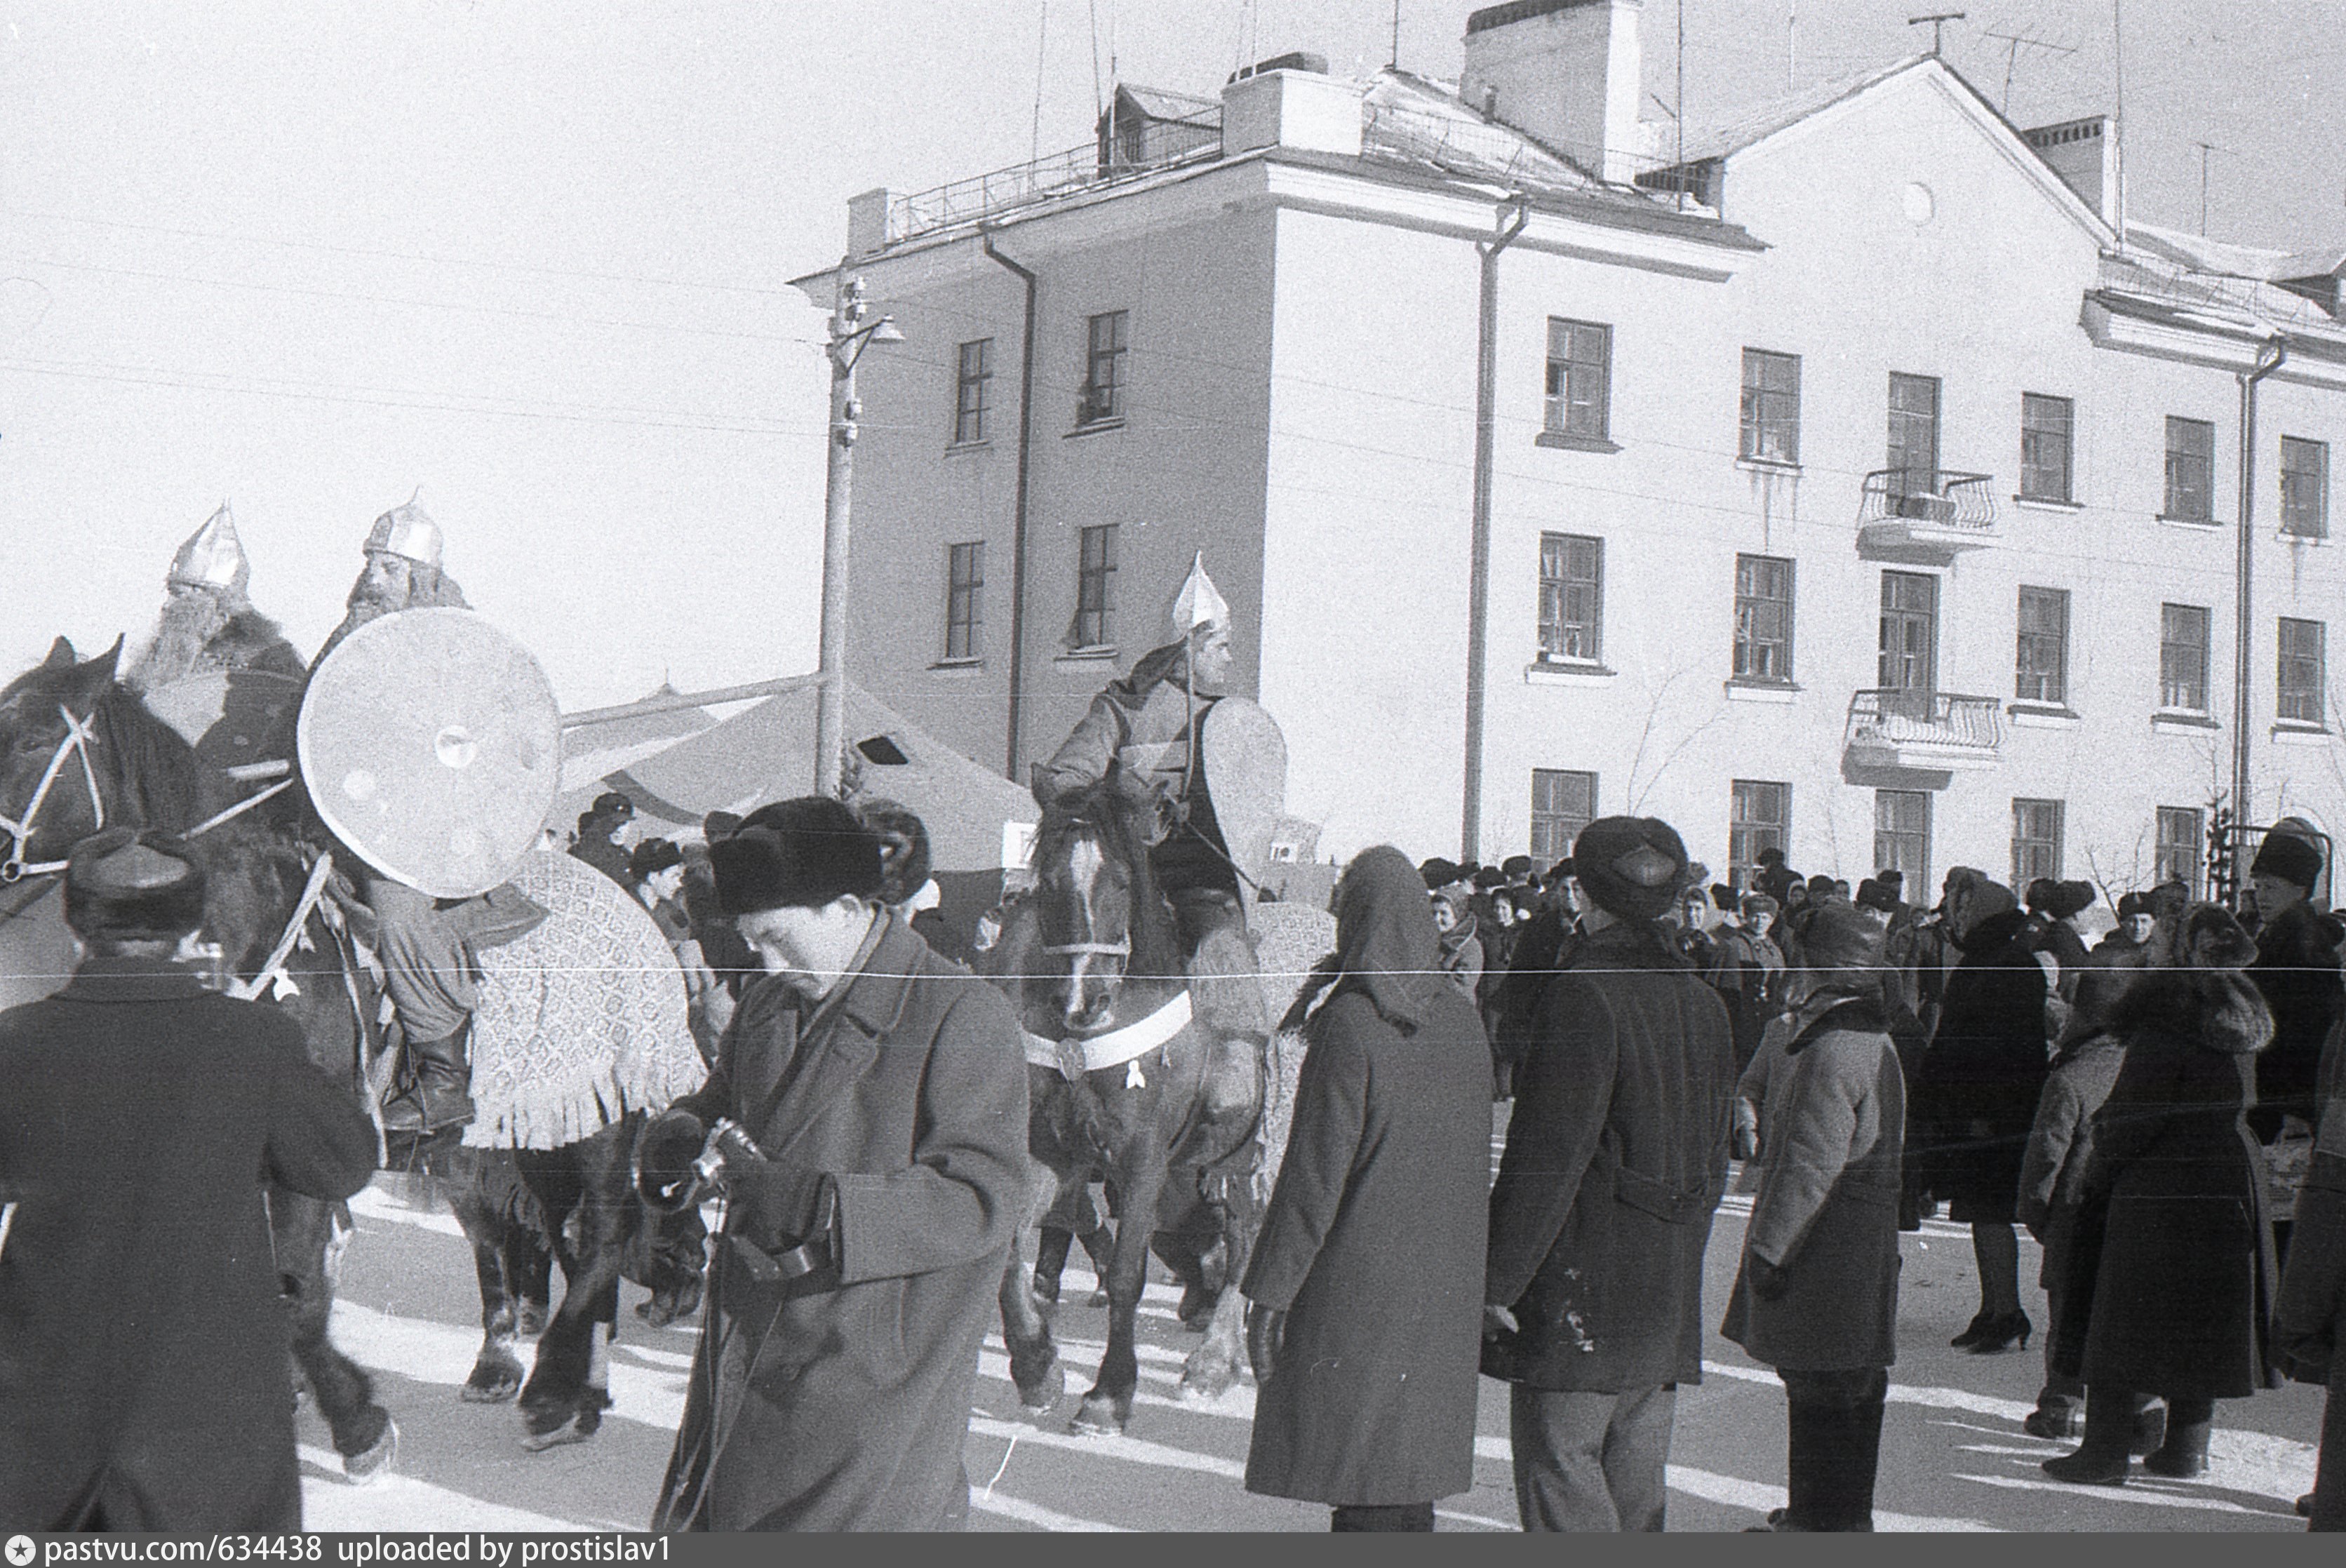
pixel 1108 1406
pixel 1025 1329
pixel 1214 1366
pixel 528 1278
pixel 591 1208
pixel 1051 1249
pixel 301 1229
pixel 495 1237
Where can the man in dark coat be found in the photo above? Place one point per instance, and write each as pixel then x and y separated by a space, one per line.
pixel 2311 1318
pixel 2296 971
pixel 1367 1263
pixel 598 829
pixel 868 1228
pixel 143 1352
pixel 1615 1162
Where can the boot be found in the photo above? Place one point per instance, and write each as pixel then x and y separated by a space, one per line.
pixel 439 1098
pixel 2103 1459
pixel 1863 1464
pixel 2183 1454
pixel 1810 1453
pixel 2149 1427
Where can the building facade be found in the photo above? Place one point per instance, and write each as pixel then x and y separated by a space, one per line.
pixel 1845 485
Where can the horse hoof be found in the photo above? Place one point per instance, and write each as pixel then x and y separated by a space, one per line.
pixel 1206 1381
pixel 575 1430
pixel 491 1384
pixel 1045 1390
pixel 1099 1417
pixel 373 1463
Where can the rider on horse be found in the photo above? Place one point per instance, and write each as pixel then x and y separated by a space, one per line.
pixel 208 624
pixel 1145 729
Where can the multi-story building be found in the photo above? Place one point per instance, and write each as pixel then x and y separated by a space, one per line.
pixel 1845 482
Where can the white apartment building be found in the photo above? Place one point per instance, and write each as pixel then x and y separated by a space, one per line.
pixel 1847 484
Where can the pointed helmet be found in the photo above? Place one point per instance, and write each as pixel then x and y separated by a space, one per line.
pixel 213 558
pixel 407 532
pixel 1197 606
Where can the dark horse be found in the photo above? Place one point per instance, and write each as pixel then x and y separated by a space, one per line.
pixel 101 752
pixel 1094 953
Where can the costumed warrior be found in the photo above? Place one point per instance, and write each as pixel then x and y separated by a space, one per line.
pixel 208 621
pixel 1146 728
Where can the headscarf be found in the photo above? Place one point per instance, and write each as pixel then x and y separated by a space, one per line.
pixel 1385 943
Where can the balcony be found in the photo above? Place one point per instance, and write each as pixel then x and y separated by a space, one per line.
pixel 1933 513
pixel 1924 731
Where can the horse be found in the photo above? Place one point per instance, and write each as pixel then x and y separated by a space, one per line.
pixel 79 751
pixel 1094 964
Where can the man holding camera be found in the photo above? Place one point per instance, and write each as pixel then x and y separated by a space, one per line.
pixel 867 1107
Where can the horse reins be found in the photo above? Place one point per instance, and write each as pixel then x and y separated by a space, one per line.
pixel 80 737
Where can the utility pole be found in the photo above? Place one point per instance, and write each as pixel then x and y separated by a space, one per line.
pixel 2011 56
pixel 850 336
pixel 1938 24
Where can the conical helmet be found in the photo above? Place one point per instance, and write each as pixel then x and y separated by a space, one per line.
pixel 407 531
pixel 213 558
pixel 1198 605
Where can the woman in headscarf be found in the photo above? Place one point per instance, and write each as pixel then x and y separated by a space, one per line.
pixel 1367 1276
pixel 1975 1098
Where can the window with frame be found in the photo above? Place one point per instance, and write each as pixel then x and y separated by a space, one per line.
pixel 1759 818
pixel 2042 663
pixel 1771 407
pixel 1901 834
pixel 2191 471
pixel 2182 842
pixel 1095 587
pixel 2301 676
pixel 2183 657
pixel 1913 446
pixel 2035 841
pixel 1572 598
pixel 1763 618
pixel 1562 803
pixel 973 381
pixel 1105 344
pixel 2046 443
pixel 1579 378
pixel 2304 488
pixel 965 591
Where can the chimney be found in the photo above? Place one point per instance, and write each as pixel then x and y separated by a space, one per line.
pixel 1568 72
pixel 2084 155
pixel 1291 104
pixel 867 223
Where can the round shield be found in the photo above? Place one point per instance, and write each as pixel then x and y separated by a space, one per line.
pixel 433 748
pixel 234 719
pixel 1245 758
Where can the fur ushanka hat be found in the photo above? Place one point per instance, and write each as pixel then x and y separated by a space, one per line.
pixel 1633 867
pixel 796 854
pixel 129 884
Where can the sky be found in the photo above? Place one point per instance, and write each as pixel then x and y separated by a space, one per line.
pixel 528 262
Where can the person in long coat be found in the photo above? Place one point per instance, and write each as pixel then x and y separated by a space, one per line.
pixel 2311 1318
pixel 2171 1277
pixel 1367 1268
pixel 1615 1163
pixel 1816 1297
pixel 1975 1099
pixel 144 1360
pixel 863 1253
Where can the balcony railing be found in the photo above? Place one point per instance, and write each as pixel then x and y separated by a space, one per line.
pixel 1932 508
pixel 1932 731
pixel 1126 153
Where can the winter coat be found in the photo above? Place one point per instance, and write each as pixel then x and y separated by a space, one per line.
pixel 1372 1244
pixel 1975 1096
pixel 2108 970
pixel 2060 1144
pixel 1831 1143
pixel 143 1349
pixel 2171 1279
pixel 845 1393
pixel 1615 1160
pixel 1746 970
pixel 2296 971
pixel 2311 1314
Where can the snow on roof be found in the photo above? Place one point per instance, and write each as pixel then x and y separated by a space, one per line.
pixel 1731 137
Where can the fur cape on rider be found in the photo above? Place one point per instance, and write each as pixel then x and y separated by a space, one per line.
pixel 1149 707
pixel 247 640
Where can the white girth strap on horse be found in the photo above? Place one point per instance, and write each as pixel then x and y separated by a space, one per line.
pixel 273 973
pixel 1124 1047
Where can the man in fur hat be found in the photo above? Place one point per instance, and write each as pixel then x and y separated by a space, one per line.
pixel 2296 970
pixel 1145 729
pixel 403 572
pixel 207 623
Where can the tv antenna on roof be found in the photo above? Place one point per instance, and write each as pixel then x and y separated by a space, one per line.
pixel 2019 41
pixel 1938 25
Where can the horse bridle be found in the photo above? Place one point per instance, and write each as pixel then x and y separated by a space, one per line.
pixel 80 737
pixel 1098 949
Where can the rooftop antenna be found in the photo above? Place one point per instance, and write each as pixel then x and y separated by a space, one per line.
pixel 2204 148
pixel 2118 113
pixel 1396 36
pixel 1042 38
pixel 1938 25
pixel 1680 116
pixel 2018 41
pixel 1793 47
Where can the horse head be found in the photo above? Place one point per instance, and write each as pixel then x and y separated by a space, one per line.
pixel 1101 916
pixel 54 787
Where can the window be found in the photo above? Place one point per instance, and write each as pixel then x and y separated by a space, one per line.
pixel 1095 588
pixel 1759 818
pixel 2035 841
pixel 1572 597
pixel 1579 378
pixel 2043 662
pixel 2183 657
pixel 2301 678
pixel 2046 423
pixel 1901 834
pixel 1771 407
pixel 1914 435
pixel 2181 842
pixel 1763 618
pixel 2191 471
pixel 1561 804
pixel 2304 488
pixel 964 588
pixel 1106 346
pixel 971 385
pixel 1910 632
